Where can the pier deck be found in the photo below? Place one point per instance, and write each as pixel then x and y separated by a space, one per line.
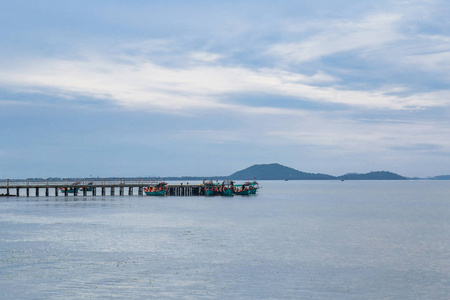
pixel 102 188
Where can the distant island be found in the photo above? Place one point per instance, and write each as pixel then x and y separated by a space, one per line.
pixel 276 172
pixel 279 172
pixel 272 171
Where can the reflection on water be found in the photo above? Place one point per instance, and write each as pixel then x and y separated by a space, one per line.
pixel 296 239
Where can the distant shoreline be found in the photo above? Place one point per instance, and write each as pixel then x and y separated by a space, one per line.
pixel 272 171
pixel 187 179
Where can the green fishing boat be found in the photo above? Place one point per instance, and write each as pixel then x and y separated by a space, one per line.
pixel 73 189
pixel 247 188
pixel 242 189
pixel 253 187
pixel 88 188
pixel 158 190
pixel 210 192
pixel 69 190
pixel 227 188
pixel 211 189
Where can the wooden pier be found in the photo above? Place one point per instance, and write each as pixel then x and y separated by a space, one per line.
pixel 103 188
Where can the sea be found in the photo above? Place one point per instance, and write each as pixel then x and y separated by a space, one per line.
pixel 293 240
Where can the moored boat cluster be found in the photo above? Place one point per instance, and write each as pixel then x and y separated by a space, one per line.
pixel 229 188
pixel 226 188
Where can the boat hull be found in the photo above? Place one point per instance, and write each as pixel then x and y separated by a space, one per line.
pixel 227 193
pixel 210 193
pixel 243 193
pixel 157 193
pixel 69 190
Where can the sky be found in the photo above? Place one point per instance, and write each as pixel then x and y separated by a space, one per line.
pixel 203 88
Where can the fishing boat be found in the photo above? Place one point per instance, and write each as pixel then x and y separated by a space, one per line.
pixel 73 189
pixel 88 188
pixel 69 190
pixel 158 190
pixel 247 188
pixel 242 192
pixel 242 189
pixel 228 192
pixel 253 187
pixel 227 189
pixel 211 189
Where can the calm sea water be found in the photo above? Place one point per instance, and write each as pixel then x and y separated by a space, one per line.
pixel 295 240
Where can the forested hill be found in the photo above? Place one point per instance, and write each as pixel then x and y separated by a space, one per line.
pixel 279 172
pixel 276 172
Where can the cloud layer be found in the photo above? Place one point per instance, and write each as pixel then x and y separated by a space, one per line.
pixel 372 81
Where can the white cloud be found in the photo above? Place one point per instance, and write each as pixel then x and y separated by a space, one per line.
pixel 437 62
pixel 137 82
pixel 340 36
pixel 162 75
pixel 192 71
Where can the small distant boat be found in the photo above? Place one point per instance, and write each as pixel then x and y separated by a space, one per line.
pixel 71 189
pixel 88 188
pixel 158 190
